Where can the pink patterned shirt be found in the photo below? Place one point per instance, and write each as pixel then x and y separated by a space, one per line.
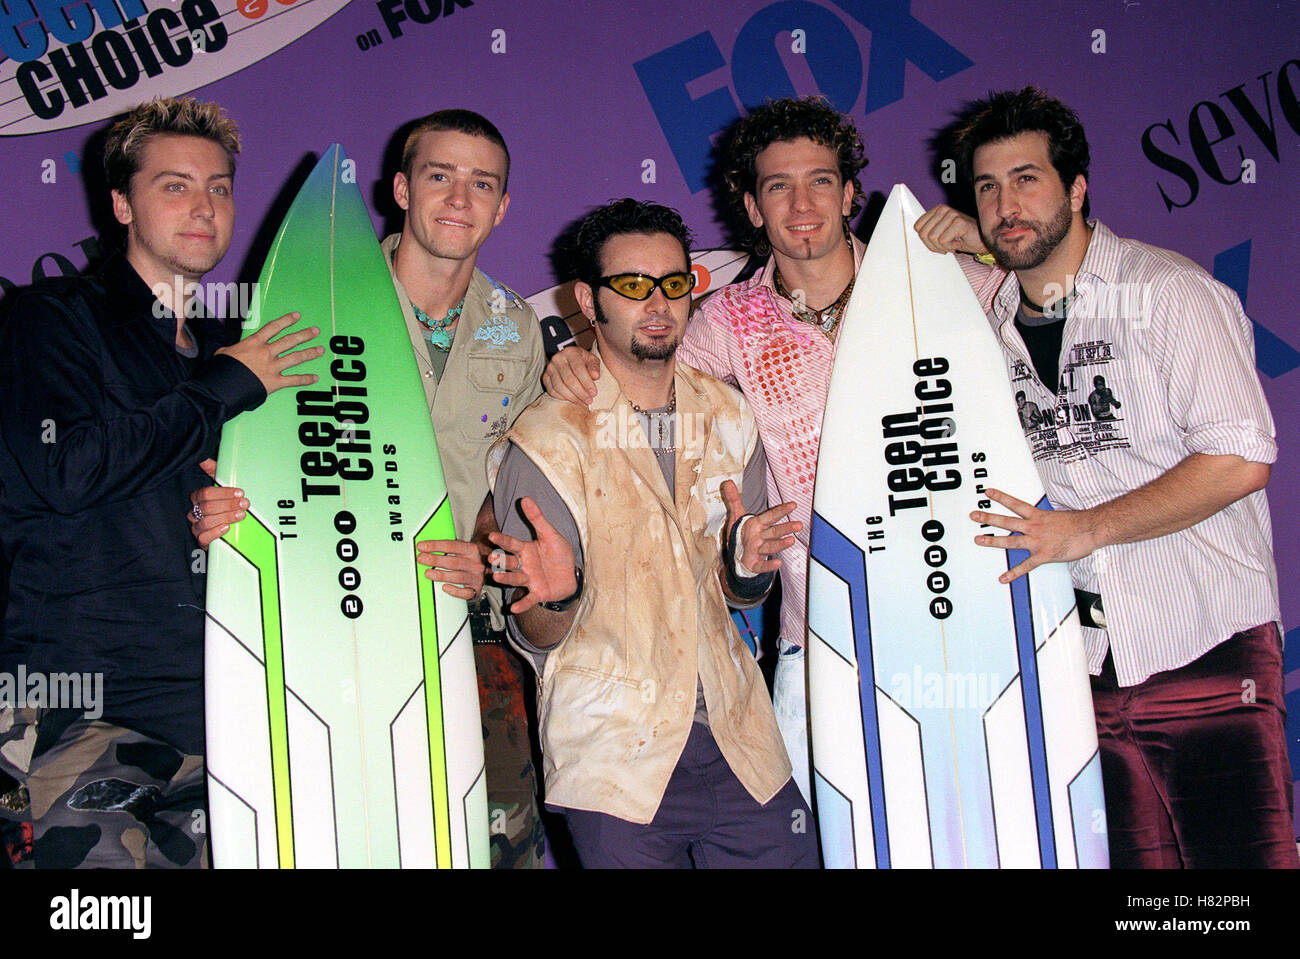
pixel 746 335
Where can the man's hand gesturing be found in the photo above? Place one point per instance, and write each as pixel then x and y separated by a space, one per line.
pixel 268 360
pixel 543 566
pixel 764 535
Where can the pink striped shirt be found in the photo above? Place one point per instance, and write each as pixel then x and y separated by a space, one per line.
pixel 747 335
pixel 1157 363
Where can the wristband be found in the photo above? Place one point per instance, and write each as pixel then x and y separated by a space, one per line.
pixel 748 588
pixel 738 569
pixel 560 605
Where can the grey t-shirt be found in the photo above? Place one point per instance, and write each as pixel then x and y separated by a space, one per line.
pixel 519 477
pixel 191 351
pixel 437 357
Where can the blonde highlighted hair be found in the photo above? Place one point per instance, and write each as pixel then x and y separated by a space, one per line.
pixel 179 116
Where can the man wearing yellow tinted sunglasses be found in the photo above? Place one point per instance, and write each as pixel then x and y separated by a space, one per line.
pixel 638 286
pixel 791 169
pixel 658 736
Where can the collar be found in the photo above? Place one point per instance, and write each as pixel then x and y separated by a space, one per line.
pixel 1100 265
pixel 389 246
pixel 607 388
pixel 119 277
pixel 609 392
pixel 136 301
pixel 479 289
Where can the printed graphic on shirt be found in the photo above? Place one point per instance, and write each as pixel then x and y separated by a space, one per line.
pixel 497 429
pixel 1031 417
pixel 502 297
pixel 498 332
pixel 1088 418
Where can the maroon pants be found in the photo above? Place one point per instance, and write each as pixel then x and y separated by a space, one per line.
pixel 1194 761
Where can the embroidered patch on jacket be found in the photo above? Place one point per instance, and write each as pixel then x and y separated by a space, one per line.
pixel 499 331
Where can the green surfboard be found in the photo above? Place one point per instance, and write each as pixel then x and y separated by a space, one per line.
pixel 342 708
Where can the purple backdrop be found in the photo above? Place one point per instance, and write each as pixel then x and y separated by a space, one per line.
pixel 601 99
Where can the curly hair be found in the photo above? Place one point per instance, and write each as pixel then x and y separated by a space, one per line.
pixel 783 120
pixel 179 116
pixel 617 218
pixel 1012 112
pixel 458 121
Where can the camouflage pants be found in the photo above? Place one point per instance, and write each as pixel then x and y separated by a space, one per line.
pixel 81 793
pixel 514 826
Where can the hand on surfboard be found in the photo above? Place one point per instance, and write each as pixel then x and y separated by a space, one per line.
pixel 268 361
pixel 764 535
pixel 1050 536
pixel 571 375
pixel 214 508
pixel 543 566
pixel 945 230
pixel 458 565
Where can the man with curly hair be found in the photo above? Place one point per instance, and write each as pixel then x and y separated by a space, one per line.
pixel 113 390
pixel 792 171
pixel 1159 503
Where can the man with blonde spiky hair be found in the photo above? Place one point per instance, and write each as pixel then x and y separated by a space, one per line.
pixel 478 347
pixel 113 390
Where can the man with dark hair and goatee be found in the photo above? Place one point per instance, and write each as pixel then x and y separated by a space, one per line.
pixel 1161 514
pixel 658 736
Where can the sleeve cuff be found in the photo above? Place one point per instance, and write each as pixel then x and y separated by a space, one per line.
pixel 746 586
pixel 233 384
pixel 1231 439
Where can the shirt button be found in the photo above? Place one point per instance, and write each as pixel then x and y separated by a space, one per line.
pixel 501 377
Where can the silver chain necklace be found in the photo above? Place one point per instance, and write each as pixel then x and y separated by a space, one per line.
pixel 661 421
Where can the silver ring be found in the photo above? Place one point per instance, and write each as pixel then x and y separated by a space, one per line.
pixel 197 511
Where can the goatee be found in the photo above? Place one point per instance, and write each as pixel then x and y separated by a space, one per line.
pixel 1048 237
pixel 642 351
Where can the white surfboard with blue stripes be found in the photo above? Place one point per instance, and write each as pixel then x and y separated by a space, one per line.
pixel 951 715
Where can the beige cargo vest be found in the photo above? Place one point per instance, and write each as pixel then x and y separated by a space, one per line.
pixel 618 695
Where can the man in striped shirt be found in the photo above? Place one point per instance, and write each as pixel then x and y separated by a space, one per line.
pixel 1154 445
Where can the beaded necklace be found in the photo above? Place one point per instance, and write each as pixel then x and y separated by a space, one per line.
pixel 436 330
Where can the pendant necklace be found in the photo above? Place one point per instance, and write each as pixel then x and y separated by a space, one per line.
pixel 661 421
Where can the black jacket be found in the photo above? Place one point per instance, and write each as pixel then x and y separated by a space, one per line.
pixel 102 427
